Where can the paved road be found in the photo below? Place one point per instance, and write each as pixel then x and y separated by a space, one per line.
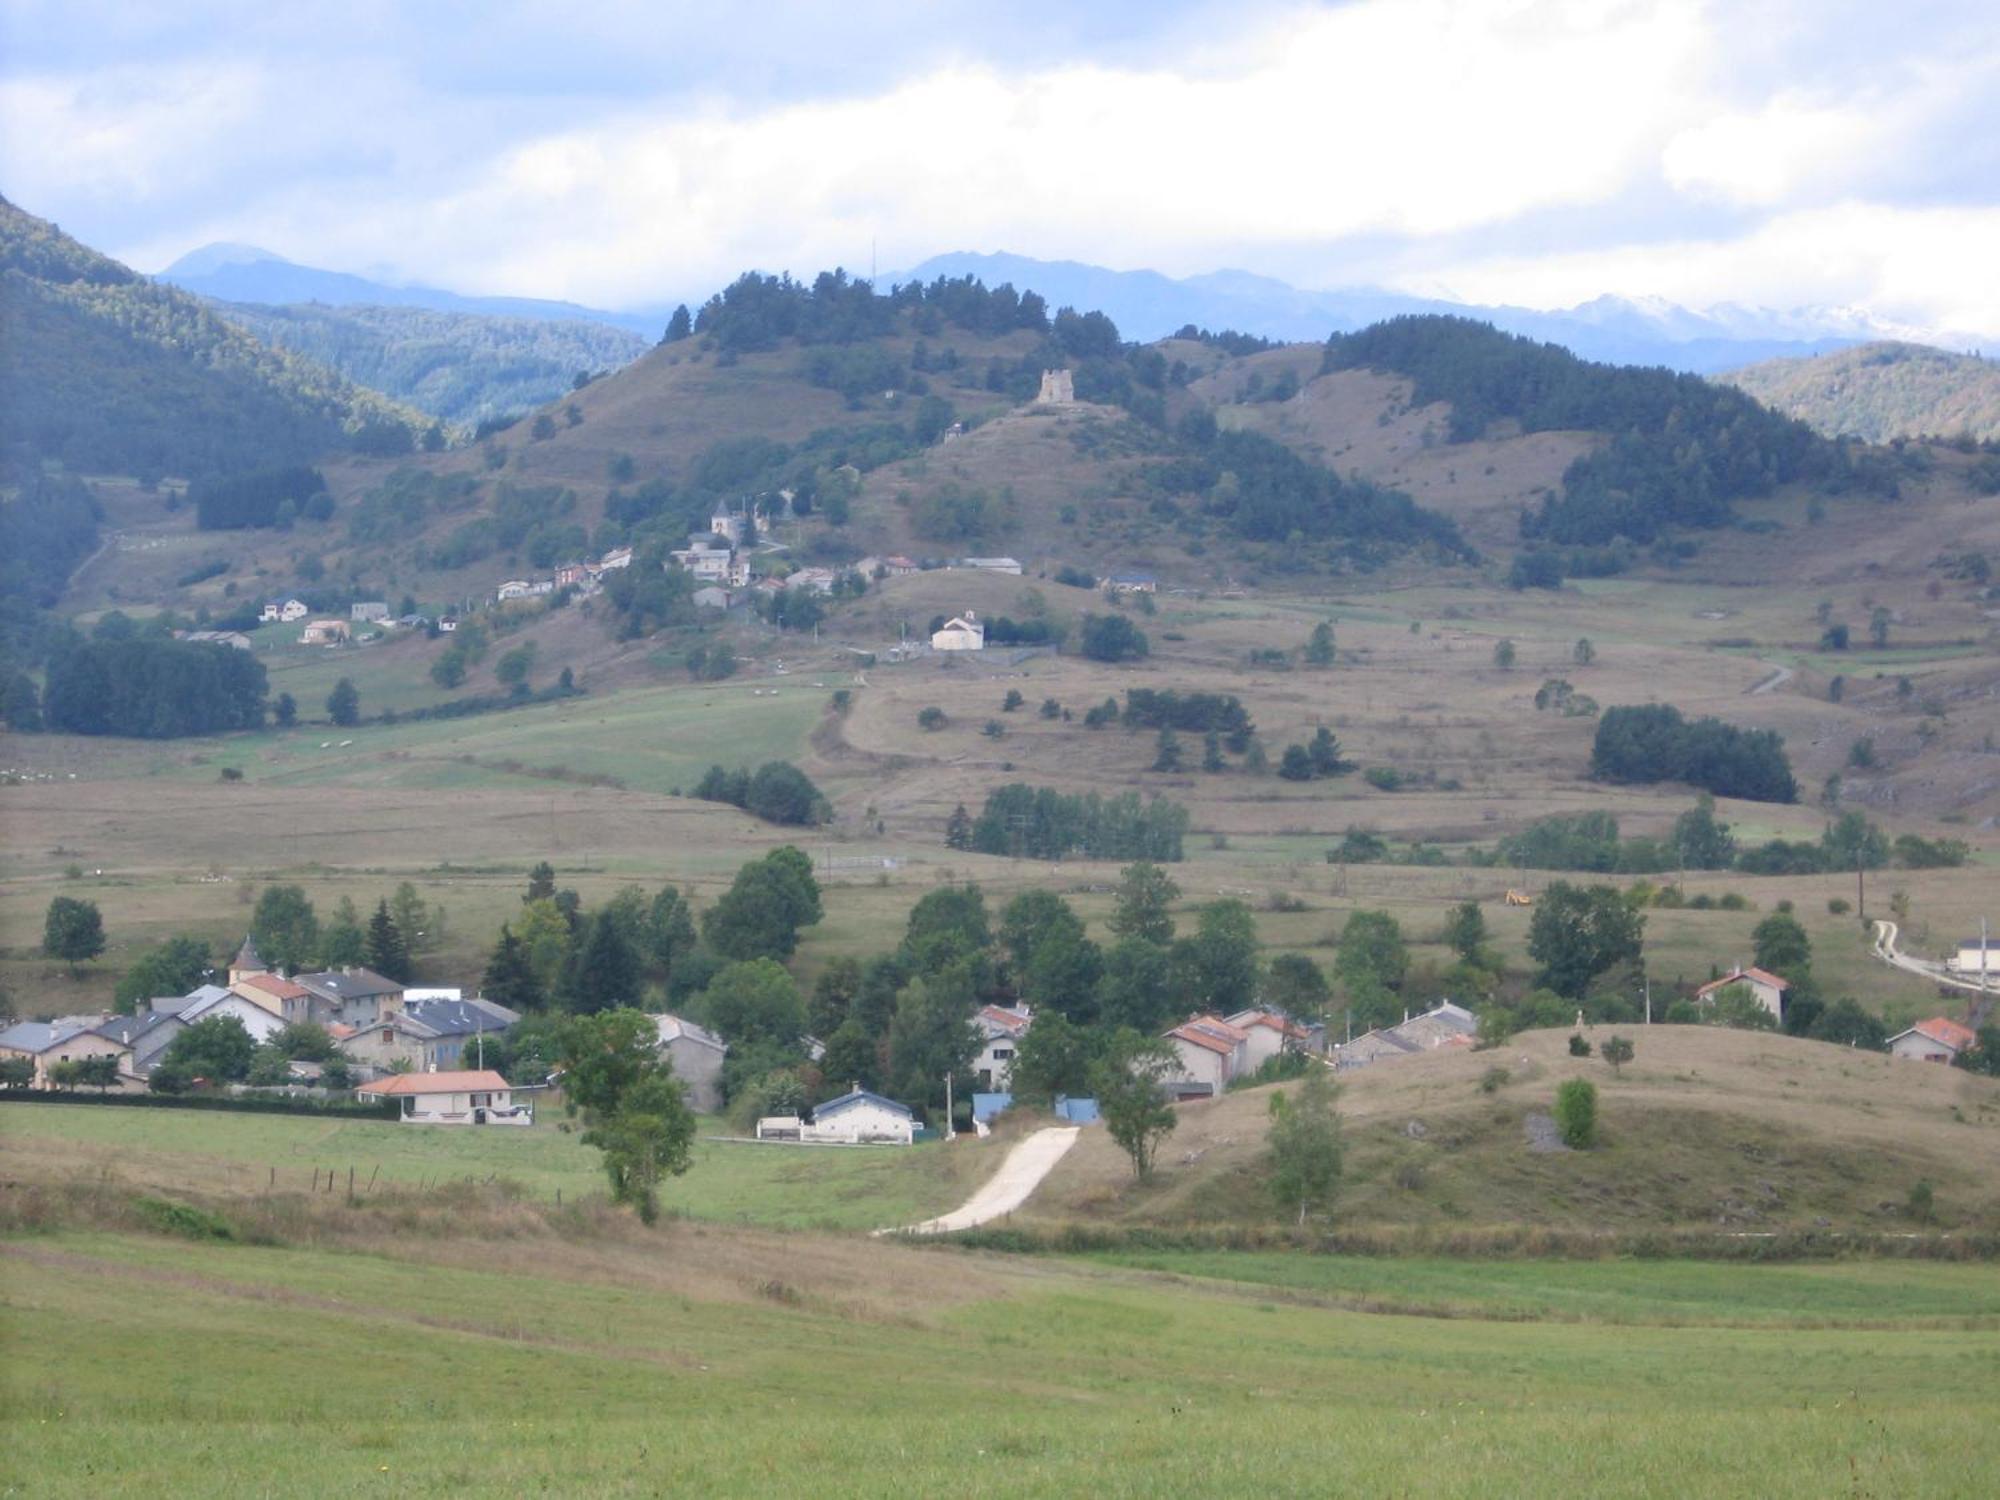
pixel 1778 678
pixel 1886 950
pixel 1019 1175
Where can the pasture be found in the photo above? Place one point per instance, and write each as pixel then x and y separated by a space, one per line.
pixel 697 1361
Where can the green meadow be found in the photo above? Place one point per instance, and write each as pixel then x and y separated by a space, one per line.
pixel 567 1369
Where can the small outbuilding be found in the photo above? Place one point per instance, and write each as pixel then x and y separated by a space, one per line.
pixel 1937 1040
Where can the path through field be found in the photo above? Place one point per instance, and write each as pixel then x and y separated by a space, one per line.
pixel 1019 1175
pixel 1886 950
pixel 1778 678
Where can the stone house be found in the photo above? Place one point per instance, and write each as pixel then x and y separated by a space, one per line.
pixel 698 1055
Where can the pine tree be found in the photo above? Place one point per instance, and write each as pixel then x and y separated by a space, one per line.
pixel 1168 754
pixel 1319 649
pixel 343 704
pixel 541 883
pixel 1211 752
pixel 604 974
pixel 510 978
pixel 387 953
pixel 958 829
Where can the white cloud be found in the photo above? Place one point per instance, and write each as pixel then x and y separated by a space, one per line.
pixel 1768 156
pixel 1930 268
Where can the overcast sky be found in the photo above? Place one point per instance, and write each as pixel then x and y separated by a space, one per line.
pixel 1784 153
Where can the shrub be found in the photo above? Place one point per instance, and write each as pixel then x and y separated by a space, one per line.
pixel 931 718
pixel 1493 1080
pixel 1578 1046
pixel 1576 1114
pixel 1838 906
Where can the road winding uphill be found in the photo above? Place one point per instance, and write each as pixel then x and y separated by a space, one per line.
pixel 1019 1175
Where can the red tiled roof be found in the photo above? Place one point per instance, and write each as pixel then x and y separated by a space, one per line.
pixel 1946 1033
pixel 435 1083
pixel 275 984
pixel 1000 1015
pixel 1761 976
pixel 1201 1038
pixel 1220 1027
pixel 1276 1023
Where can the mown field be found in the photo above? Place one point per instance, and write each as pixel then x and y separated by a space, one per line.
pixel 257 1154
pixel 710 1362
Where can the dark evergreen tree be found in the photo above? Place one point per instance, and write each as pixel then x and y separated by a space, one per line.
pixel 510 979
pixel 388 954
pixel 603 972
pixel 541 883
pixel 343 704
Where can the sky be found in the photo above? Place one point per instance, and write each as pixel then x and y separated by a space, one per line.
pixel 1776 153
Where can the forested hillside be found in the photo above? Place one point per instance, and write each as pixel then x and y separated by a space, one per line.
pixel 1882 391
pixel 103 370
pixel 1682 450
pixel 461 367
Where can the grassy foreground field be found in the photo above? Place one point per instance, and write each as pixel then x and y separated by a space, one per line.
pixel 246 1154
pixel 707 1362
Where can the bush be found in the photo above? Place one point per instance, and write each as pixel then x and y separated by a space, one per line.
pixel 1838 906
pixel 931 718
pixel 1578 1046
pixel 1493 1080
pixel 1576 1114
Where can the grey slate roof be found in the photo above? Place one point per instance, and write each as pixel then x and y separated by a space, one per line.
pixel 461 1017
pixel 38 1036
pixel 348 984
pixel 128 1029
pixel 860 1096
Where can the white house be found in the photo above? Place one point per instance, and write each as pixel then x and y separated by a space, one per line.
pixel 819 580
pixel 259 1020
pixel 1000 1031
pixel 856 1118
pixel 1211 1052
pixel 1266 1035
pixel 617 557
pixel 960 633
pixel 992 565
pixel 1936 1040
pixel 325 633
pixel 1766 988
pixel 478 1097
pixel 899 567
pixel 285 611
pixel 369 611
pixel 515 588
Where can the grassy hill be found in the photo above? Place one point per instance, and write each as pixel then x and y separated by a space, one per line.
pixel 108 372
pixel 1704 1130
pixel 459 367
pixel 1882 391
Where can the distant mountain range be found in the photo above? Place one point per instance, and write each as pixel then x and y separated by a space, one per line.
pixel 1882 391
pixel 1616 330
pixel 1147 305
pixel 244 273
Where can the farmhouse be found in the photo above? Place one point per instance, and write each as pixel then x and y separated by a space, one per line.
pixel 481 1097
pixel 571 575
pixel 352 997
pixel 324 633
pixel 1132 583
pixel 211 1000
pixel 960 633
pixel 1936 1040
pixel 1008 565
pixel 898 567
pixel 456 1026
pixel 1267 1034
pixel 1443 1025
pixel 277 994
pixel 394 1041
pixel 858 1116
pixel 48 1044
pixel 1000 1030
pixel 514 588
pixel 1766 988
pixel 1211 1053
pixel 617 557
pixel 698 1055
pixel 368 612
pixel 713 597
pixel 234 639
pixel 284 611
pixel 148 1034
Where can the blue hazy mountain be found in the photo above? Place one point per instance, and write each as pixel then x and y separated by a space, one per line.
pixel 244 273
pixel 1147 305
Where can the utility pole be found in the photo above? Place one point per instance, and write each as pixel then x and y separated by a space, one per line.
pixel 950 1134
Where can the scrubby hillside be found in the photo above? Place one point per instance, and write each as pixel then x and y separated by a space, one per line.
pixel 1882 391
pixel 1705 1129
pixel 461 367
pixel 108 372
